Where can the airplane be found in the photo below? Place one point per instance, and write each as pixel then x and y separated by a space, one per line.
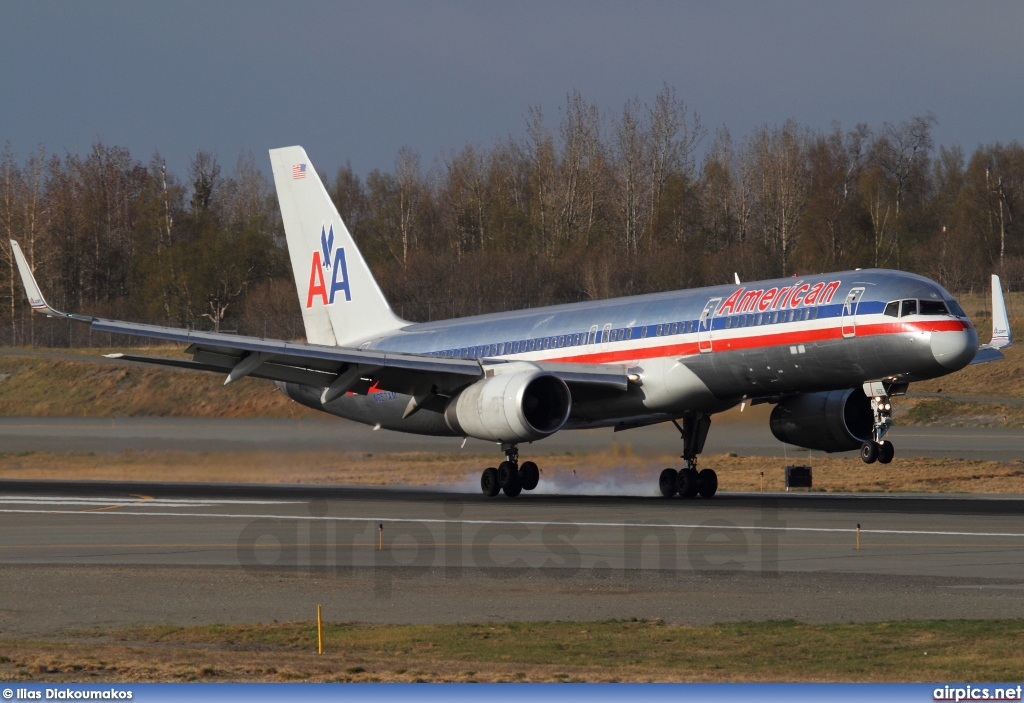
pixel 830 351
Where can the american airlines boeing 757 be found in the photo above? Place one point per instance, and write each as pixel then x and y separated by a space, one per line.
pixel 830 351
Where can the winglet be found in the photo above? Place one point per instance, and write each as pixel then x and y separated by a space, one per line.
pixel 1000 320
pixel 35 296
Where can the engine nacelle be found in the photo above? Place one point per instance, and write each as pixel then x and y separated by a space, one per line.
pixel 516 407
pixel 834 421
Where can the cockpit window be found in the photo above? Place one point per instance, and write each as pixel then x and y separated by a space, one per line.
pixel 955 308
pixel 893 309
pixel 933 307
pixel 908 307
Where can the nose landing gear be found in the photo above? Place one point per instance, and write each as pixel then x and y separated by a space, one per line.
pixel 878 449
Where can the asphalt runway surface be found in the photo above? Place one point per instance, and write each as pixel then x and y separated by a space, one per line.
pixel 79 554
pixel 728 434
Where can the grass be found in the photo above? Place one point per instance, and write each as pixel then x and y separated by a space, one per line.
pixel 952 413
pixel 959 650
pixel 618 471
pixel 49 383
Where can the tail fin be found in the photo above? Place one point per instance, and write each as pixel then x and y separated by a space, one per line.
pixel 340 300
pixel 1000 320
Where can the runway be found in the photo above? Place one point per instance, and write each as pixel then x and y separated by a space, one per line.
pixel 747 434
pixel 73 555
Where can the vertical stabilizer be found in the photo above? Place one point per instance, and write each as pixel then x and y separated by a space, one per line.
pixel 340 300
pixel 1000 321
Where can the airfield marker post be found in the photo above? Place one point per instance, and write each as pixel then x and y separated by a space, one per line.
pixel 762 481
pixel 858 536
pixel 380 544
pixel 319 631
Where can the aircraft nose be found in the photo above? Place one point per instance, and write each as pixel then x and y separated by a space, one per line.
pixel 954 350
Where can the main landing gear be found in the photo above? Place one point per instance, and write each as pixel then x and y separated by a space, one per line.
pixel 510 477
pixel 876 448
pixel 688 482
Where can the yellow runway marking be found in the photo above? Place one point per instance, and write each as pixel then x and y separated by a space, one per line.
pixel 121 505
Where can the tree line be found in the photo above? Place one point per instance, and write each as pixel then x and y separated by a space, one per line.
pixel 590 204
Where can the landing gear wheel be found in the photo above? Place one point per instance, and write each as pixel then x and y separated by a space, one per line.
pixel 869 452
pixel 529 475
pixel 508 474
pixel 688 483
pixel 668 482
pixel 513 490
pixel 489 482
pixel 886 452
pixel 708 483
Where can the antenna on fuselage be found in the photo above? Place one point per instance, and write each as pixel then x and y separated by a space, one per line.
pixel 736 275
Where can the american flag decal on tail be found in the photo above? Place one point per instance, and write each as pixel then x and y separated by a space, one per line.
pixel 298 171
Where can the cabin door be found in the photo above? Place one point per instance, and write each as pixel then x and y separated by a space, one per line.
pixel 850 312
pixel 704 325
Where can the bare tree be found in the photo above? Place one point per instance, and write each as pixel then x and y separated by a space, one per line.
pixel 580 133
pixel 902 153
pixel 673 138
pixel 407 172
pixel 631 148
pixel 779 156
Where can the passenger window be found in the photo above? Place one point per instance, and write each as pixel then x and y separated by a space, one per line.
pixel 643 332
pixel 813 313
pixel 629 333
pixel 909 307
pixel 672 328
pixel 933 307
pixel 892 309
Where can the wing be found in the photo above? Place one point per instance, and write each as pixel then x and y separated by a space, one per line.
pixel 1001 337
pixel 335 370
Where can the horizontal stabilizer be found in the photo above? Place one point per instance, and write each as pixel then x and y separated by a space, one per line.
pixel 987 353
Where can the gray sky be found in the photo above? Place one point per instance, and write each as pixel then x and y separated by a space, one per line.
pixel 357 81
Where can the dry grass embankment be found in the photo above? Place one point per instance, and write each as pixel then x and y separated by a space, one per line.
pixel 49 383
pixel 959 650
pixel 618 471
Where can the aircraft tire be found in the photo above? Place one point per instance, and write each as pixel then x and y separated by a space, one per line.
pixel 886 452
pixel 708 483
pixel 668 482
pixel 688 483
pixel 529 475
pixel 869 452
pixel 508 474
pixel 489 482
pixel 512 490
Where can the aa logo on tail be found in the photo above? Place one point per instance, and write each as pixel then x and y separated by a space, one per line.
pixel 336 270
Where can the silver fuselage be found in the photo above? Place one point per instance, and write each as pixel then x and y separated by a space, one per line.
pixel 700 350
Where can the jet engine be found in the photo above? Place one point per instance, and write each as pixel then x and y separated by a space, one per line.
pixel 833 421
pixel 516 407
